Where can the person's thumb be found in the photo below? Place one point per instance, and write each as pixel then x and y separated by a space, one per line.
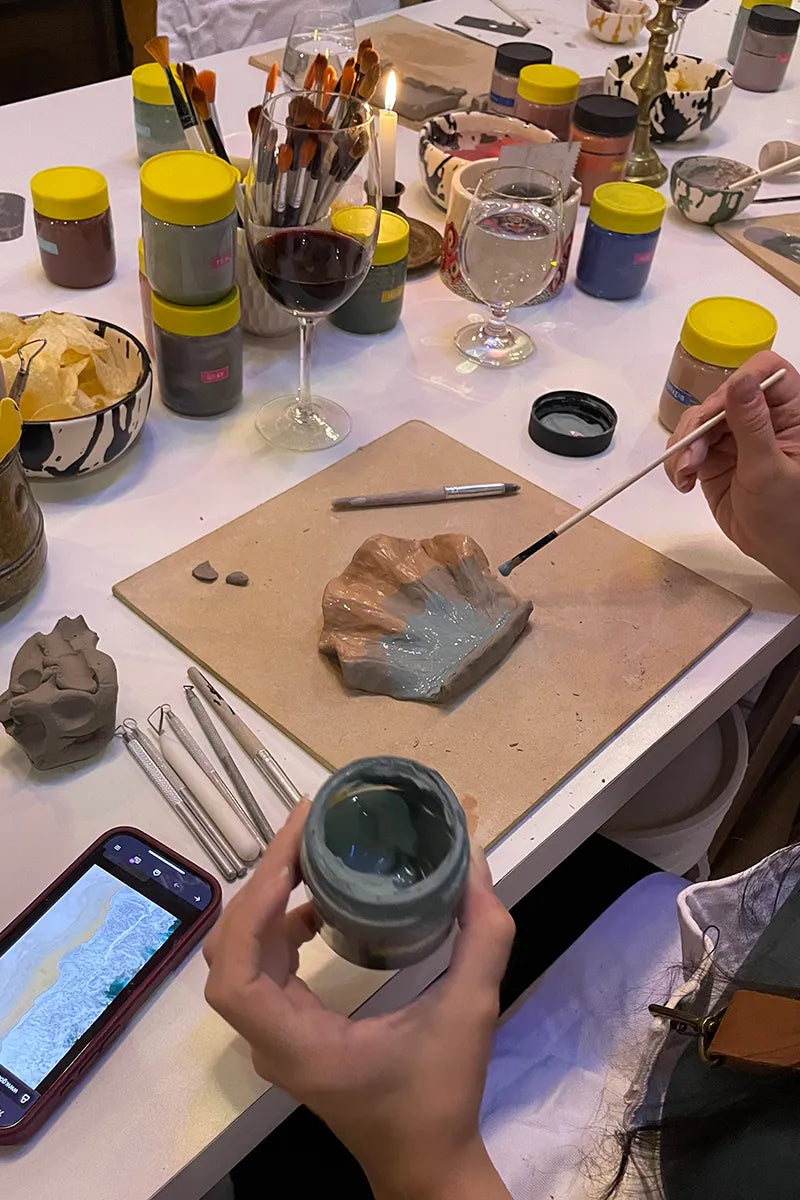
pixel 748 418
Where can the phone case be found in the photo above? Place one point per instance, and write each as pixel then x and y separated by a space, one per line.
pixel 179 951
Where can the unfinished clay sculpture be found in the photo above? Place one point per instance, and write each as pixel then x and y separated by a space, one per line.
pixel 61 701
pixel 419 620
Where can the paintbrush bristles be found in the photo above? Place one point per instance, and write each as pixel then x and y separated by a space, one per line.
pixel 272 79
pixel 253 115
pixel 200 102
pixel 158 48
pixel 207 80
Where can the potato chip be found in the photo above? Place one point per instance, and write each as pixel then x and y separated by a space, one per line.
pixel 12 333
pixel 56 412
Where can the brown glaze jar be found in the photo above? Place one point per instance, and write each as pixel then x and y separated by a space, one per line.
pixel 604 126
pixel 73 226
pixel 546 96
pixel 23 548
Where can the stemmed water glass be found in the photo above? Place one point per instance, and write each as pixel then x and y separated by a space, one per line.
pixel 312 206
pixel 318 29
pixel 681 13
pixel 508 253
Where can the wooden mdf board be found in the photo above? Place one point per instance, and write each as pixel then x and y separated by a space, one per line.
pixel 614 623
pixel 770 242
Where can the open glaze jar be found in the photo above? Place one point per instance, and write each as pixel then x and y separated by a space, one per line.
pixel 198 352
pixel 546 96
pixel 189 226
pixel 509 60
pixel 604 126
pixel 385 856
pixel 767 46
pixel 73 226
pixel 620 240
pixel 718 335
pixel 157 124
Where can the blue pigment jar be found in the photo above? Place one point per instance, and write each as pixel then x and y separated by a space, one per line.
pixel 620 240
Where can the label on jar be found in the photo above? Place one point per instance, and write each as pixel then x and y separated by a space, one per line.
pixel 392 294
pixel 221 260
pixel 685 398
pixel 502 101
pixel 143 130
pixel 215 376
pixel 48 247
pixel 645 257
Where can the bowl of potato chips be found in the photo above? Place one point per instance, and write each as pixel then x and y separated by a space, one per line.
pixel 87 394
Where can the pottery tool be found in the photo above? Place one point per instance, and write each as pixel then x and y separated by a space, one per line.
pixel 515 17
pixel 158 49
pixel 780 168
pixel 20 380
pixel 493 26
pixel 774 199
pixel 773 153
pixel 269 767
pixel 507 567
pixel 216 743
pixel 129 731
pixel 463 491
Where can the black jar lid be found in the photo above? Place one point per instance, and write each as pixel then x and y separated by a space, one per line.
pixel 771 18
pixel 610 115
pixel 575 424
pixel 511 57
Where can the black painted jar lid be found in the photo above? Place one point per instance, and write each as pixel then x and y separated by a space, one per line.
pixel 511 57
pixel 575 424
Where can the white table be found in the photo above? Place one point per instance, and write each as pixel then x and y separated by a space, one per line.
pixel 176 1103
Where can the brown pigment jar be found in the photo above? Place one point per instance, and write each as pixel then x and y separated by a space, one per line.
pixel 73 226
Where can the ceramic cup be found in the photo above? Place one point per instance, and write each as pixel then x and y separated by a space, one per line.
pixel 465 179
pixel 697 92
pixel 703 188
pixel 618 27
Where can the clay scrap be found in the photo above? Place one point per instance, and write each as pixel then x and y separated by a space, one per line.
pixel 237 579
pixel 61 702
pixel 205 573
pixel 419 620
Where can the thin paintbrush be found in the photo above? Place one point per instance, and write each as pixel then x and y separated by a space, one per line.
pixel 200 102
pixel 207 80
pixel 158 49
pixel 514 562
pixel 272 80
pixel 188 77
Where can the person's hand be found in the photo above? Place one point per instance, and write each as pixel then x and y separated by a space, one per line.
pixel 402 1091
pixel 749 466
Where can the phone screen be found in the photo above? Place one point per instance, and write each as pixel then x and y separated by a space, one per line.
pixel 79 954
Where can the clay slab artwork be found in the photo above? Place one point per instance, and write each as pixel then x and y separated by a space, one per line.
pixel 419 620
pixel 61 702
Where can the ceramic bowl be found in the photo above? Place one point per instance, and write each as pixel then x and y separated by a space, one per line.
pixel 79 445
pixel 447 141
pixel 621 26
pixel 696 95
pixel 703 188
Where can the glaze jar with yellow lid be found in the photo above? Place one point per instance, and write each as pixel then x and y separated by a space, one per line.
pixel 546 95
pixel 376 306
pixel 718 335
pixel 73 226
pixel 157 124
pixel 189 226
pixel 198 351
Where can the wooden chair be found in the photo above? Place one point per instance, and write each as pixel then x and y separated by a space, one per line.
pixel 140 21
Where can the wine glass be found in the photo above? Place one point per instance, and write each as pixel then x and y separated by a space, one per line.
pixel 312 207
pixel 319 29
pixel 681 13
pixel 509 253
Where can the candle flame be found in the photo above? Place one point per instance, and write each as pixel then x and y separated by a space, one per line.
pixel 390 95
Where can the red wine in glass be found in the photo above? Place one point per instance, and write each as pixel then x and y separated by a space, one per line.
pixel 310 271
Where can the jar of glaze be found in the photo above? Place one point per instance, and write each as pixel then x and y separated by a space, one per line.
pixel 742 17
pixel 718 335
pixel 145 299
pixel 385 856
pixel 189 226
pixel 198 354
pixel 157 124
pixel 546 96
pixel 73 226
pixel 620 240
pixel 604 126
pixel 767 46
pixel 509 60
pixel 377 304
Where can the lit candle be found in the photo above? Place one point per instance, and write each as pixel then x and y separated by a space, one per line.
pixel 387 136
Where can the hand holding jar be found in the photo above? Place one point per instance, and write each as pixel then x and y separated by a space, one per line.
pixel 749 467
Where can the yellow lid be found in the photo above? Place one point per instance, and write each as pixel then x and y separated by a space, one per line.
pixel 545 83
pixel 725 331
pixel 203 321
pixel 393 233
pixel 627 208
pixel 748 4
pixel 150 84
pixel 69 193
pixel 188 187
pixel 142 271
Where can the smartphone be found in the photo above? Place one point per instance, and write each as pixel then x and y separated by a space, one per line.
pixel 83 957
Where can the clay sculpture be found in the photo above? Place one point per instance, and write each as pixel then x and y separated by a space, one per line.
pixel 61 702
pixel 419 620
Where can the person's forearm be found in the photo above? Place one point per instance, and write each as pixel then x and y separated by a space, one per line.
pixel 472 1178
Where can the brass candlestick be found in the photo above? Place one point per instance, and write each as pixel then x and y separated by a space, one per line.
pixel 644 165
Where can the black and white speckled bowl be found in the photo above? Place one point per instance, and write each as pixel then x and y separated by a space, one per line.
pixel 680 113
pixel 79 445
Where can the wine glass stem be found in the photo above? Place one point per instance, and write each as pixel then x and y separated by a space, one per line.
pixel 304 391
pixel 678 34
pixel 496 326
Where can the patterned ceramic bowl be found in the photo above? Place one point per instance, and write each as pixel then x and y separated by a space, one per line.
pixel 621 26
pixel 697 92
pixel 78 445
pixel 449 140
pixel 703 188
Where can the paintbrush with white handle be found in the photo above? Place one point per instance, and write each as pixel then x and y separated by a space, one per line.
pixel 780 168
pixel 706 427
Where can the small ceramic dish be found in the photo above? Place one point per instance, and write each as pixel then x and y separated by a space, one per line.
pixel 78 445
pixel 621 26
pixel 697 93
pixel 451 139
pixel 703 188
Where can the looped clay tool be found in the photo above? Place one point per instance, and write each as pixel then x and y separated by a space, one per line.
pixel 25 360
